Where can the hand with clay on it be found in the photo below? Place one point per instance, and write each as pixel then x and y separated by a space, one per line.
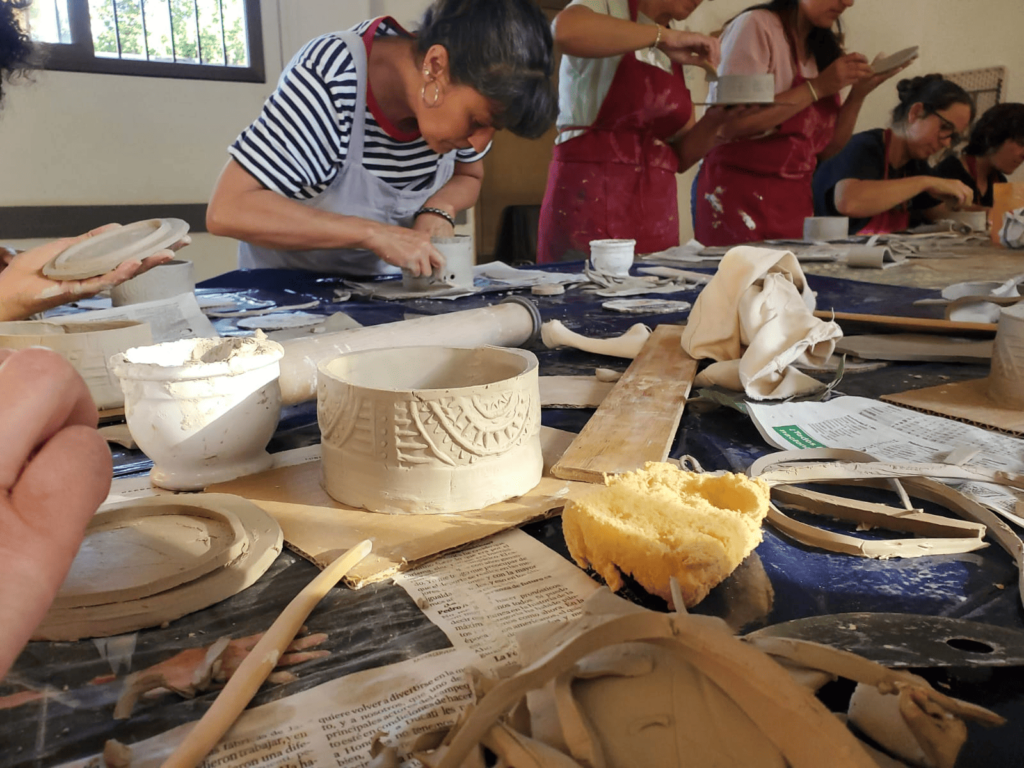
pixel 845 71
pixel 690 47
pixel 865 86
pixel 952 191
pixel 55 471
pixel 196 670
pixel 409 249
pixel 25 290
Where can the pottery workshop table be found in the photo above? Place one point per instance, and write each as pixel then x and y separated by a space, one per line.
pixel 380 624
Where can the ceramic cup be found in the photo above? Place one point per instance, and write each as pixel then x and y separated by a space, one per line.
pixel 613 257
pixel 458 266
pixel 163 282
pixel 826 228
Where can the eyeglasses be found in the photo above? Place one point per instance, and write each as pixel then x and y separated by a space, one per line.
pixel 947 130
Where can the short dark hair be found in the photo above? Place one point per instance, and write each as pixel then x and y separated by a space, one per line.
pixel 826 45
pixel 16 47
pixel 998 125
pixel 933 92
pixel 501 48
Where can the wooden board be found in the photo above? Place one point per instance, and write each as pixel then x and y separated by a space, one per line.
pixel 964 401
pixel 638 419
pixel 915 324
pixel 915 347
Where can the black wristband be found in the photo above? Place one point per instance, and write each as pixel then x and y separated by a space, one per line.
pixel 437 211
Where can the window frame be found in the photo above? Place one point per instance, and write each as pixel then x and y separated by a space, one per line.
pixel 79 55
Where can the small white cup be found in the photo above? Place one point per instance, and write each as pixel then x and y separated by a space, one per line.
pixel 613 257
pixel 161 282
pixel 458 266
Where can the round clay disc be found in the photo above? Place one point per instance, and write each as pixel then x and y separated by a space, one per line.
pixel 101 253
pixel 276 321
pixel 646 306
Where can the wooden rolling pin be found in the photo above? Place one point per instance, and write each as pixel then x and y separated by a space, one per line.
pixel 917 324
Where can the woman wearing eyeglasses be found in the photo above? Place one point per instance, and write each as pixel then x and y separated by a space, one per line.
pixel 995 151
pixel 882 180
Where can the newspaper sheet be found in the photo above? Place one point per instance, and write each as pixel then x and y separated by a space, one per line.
pixel 169 319
pixel 479 597
pixel 891 433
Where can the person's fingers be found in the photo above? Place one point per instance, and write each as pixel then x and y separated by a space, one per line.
pixel 304 643
pixel 289 659
pixel 435 260
pixel 185 240
pixel 43 394
pixel 101 230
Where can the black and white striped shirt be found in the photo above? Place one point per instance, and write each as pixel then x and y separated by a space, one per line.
pixel 300 141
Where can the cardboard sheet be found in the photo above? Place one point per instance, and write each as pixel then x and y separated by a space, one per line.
pixel 966 401
pixel 320 529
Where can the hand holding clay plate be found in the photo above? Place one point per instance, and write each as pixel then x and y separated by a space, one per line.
pixel 896 60
pixel 101 253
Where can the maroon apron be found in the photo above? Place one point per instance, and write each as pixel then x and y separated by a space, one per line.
pixel 895 219
pixel 618 179
pixel 760 189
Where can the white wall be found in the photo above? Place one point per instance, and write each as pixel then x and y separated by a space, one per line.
pixel 953 35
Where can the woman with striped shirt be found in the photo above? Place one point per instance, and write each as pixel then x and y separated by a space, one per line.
pixel 374 138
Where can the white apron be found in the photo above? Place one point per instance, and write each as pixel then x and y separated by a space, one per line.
pixel 355 191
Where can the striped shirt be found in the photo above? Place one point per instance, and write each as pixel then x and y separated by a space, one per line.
pixel 300 141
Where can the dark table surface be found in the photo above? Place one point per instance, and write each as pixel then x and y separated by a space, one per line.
pixel 380 624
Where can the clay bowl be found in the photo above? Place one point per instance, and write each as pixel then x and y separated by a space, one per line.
pixel 87 346
pixel 202 409
pixel 161 282
pixel 429 429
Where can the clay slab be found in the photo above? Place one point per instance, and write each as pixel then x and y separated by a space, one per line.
pixel 896 60
pixel 99 254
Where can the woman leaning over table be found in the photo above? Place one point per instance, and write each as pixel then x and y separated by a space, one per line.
pixel 626 125
pixel 374 138
pixel 882 180
pixel 995 150
pixel 760 188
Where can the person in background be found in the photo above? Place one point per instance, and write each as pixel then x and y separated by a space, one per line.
pixel 626 125
pixel 994 151
pixel 55 471
pixel 374 139
pixel 24 290
pixel 882 180
pixel 760 188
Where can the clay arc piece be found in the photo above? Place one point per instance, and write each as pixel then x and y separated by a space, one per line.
pixel 101 253
pixel 430 429
pixel 263 540
pixel 87 346
pixel 132 552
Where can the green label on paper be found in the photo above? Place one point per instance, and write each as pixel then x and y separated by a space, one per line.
pixel 795 436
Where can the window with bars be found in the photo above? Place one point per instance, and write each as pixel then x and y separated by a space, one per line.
pixel 197 39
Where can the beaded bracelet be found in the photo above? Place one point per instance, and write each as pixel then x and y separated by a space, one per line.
pixel 654 46
pixel 438 212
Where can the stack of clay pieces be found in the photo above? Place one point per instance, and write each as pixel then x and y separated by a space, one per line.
pixel 147 562
pixel 87 346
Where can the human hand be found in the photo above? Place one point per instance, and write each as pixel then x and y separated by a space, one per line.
pixel 433 225
pixel 844 71
pixel 55 471
pixel 954 192
pixel 409 249
pixel 690 47
pixel 25 290
pixel 868 84
pixel 729 120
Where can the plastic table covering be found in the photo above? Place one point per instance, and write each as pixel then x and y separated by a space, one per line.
pixel 380 625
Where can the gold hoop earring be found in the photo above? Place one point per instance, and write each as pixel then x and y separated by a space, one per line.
pixel 437 94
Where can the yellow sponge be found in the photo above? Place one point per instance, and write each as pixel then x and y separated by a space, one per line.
pixel 662 521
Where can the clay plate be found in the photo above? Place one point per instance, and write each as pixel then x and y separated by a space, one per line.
pixel 99 254
pixel 896 60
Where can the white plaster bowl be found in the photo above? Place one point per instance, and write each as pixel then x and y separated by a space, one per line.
pixel 87 346
pixel 429 429
pixel 613 257
pixel 161 282
pixel 202 409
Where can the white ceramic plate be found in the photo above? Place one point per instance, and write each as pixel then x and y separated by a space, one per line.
pixel 896 60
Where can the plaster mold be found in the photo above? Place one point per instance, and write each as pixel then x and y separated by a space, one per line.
pixel 87 346
pixel 429 429
pixel 202 409
pixel 164 281
pixel 137 605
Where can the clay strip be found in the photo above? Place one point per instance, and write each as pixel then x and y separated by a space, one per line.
pixel 260 662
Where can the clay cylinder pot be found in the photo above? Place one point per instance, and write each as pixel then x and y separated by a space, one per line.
pixel 1004 381
pixel 429 429
pixel 161 282
pixel 87 346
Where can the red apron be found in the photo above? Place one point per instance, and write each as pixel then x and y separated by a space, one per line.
pixel 618 179
pixel 895 219
pixel 760 189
